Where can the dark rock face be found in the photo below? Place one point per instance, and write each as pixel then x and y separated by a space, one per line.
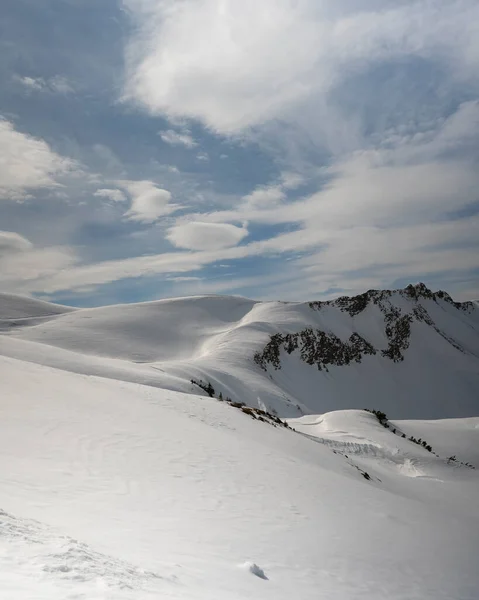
pixel 323 348
pixel 316 348
pixel 398 331
pixel 355 305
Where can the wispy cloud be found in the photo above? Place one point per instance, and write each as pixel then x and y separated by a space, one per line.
pixel 31 83
pixel 23 267
pixel 56 84
pixel 111 194
pixel 175 138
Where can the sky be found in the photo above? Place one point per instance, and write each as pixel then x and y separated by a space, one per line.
pixel 282 149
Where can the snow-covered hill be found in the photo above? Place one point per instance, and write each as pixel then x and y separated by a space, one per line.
pixel 118 491
pixel 111 489
pixel 411 352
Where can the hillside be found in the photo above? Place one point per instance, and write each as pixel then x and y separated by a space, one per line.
pixel 123 480
pixel 412 352
pixel 118 491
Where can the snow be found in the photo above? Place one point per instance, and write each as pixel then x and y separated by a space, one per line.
pixel 167 343
pixel 123 482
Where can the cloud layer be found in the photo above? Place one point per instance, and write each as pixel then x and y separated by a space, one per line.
pixel 283 148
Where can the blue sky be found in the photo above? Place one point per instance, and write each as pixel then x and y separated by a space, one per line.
pixel 285 149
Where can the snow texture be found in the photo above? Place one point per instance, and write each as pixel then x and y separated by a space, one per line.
pixel 121 480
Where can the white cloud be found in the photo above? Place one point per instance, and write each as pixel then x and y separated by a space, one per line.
pixel 234 65
pixel 31 83
pixel 265 197
pixel 111 194
pixel 291 181
pixel 183 279
pixel 206 236
pixel 13 242
pixel 99 273
pixel 60 85
pixel 27 163
pixel 22 266
pixel 148 201
pixel 204 156
pixel 174 138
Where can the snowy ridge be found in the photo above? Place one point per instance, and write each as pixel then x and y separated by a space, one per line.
pixel 20 311
pixel 293 358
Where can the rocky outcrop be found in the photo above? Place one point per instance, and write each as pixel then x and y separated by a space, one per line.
pixel 354 305
pixel 323 349
pixel 398 332
pixel 316 348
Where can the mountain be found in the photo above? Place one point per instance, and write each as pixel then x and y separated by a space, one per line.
pixel 410 352
pixel 123 480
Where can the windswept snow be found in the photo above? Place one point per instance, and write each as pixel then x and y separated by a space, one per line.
pixel 116 490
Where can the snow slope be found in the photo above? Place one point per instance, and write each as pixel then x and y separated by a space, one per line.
pixel 167 343
pixel 113 490
pixel 20 311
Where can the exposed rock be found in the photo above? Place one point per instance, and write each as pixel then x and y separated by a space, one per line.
pixel 323 348
pixel 398 332
pixel 316 348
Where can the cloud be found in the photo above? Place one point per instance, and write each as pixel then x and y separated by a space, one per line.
pixel 206 236
pixel 31 83
pixel 175 138
pixel 148 201
pixel 265 196
pixel 56 84
pixel 60 85
pixel 103 272
pixel 11 242
pixel 183 279
pixel 351 131
pixel 27 163
pixel 291 181
pixel 22 266
pixel 235 65
pixel 111 194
